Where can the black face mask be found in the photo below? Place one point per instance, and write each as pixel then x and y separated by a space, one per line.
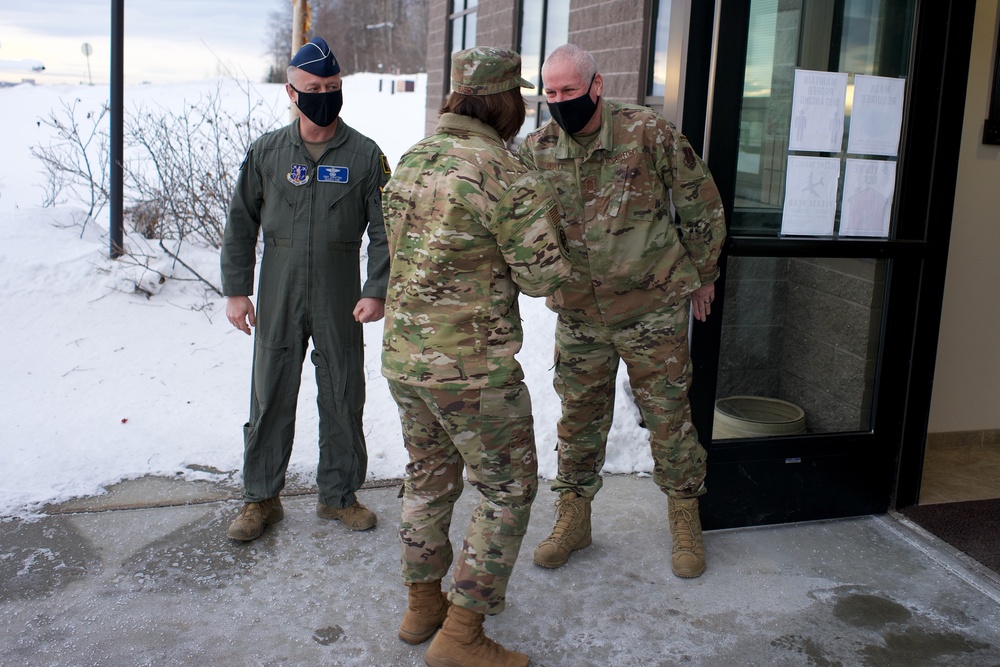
pixel 572 115
pixel 321 108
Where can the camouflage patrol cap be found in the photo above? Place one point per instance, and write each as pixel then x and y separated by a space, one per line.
pixel 484 70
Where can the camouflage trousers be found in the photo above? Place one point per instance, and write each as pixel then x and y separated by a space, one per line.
pixel 490 433
pixel 655 351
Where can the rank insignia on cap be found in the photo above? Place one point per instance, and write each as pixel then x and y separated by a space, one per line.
pixel 299 175
pixel 385 165
pixel 316 58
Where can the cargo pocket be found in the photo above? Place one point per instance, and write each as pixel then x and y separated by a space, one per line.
pixel 507 440
pixel 270 369
pixel 509 463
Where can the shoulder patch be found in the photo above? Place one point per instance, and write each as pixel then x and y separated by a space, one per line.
pixel 385 164
pixel 690 161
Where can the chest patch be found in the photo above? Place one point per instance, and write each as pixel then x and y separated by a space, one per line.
pixel 299 175
pixel 327 174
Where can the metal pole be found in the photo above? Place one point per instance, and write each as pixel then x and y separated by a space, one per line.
pixel 117 128
pixel 300 26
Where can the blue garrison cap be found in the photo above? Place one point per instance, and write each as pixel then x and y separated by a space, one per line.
pixel 316 58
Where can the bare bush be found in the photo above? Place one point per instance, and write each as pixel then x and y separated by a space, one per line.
pixel 76 160
pixel 180 168
pixel 187 165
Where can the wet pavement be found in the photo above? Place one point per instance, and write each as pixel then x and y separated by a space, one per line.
pixel 146 576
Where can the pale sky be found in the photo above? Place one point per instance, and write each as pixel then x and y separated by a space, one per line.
pixel 165 40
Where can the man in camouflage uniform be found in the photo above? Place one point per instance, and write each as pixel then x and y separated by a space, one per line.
pixel 468 229
pixel 635 276
pixel 313 188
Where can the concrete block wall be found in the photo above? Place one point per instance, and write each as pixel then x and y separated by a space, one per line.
pixel 613 30
pixel 830 344
pixel 496 24
pixel 437 60
pixel 805 331
pixel 756 294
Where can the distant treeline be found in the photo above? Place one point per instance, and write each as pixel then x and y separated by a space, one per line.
pixel 370 36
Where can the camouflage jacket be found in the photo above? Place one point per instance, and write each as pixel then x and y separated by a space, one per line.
pixel 467 226
pixel 629 258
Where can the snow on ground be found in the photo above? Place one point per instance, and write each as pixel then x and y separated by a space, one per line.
pixel 99 383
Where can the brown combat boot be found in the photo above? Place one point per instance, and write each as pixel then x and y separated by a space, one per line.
pixel 254 518
pixel 461 643
pixel 425 613
pixel 572 531
pixel 688 550
pixel 355 516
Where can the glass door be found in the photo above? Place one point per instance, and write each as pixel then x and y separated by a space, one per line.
pixel 804 381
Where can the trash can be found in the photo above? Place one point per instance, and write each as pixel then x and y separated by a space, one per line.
pixel 756 417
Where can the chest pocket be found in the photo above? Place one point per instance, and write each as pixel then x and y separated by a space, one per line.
pixel 277 211
pixel 636 189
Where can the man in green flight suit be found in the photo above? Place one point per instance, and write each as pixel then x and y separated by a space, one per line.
pixel 636 276
pixel 314 188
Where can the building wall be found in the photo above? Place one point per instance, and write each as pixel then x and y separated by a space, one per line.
pixel 966 394
pixel 613 31
pixel 437 59
pixel 494 26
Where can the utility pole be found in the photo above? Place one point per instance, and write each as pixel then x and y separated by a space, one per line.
pixel 300 28
pixel 117 181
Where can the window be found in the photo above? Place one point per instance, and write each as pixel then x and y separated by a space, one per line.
pixel 544 27
pixel 657 78
pixel 858 40
pixel 463 24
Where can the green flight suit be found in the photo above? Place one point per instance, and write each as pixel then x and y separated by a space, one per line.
pixel 313 217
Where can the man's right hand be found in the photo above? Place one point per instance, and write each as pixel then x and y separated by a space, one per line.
pixel 239 310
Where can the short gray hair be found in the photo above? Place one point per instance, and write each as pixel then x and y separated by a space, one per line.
pixel 583 61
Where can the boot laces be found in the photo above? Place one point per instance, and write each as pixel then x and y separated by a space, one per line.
pixel 681 519
pixel 568 515
pixel 249 508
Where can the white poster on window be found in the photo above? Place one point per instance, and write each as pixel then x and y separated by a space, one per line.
pixel 869 186
pixel 817 122
pixel 810 196
pixel 876 115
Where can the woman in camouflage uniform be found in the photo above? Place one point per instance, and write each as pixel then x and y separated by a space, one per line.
pixel 468 229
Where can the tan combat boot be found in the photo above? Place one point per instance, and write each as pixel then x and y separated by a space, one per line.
pixel 425 613
pixel 355 516
pixel 688 552
pixel 254 518
pixel 572 531
pixel 461 643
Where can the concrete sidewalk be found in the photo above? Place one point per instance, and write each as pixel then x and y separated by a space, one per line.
pixel 164 586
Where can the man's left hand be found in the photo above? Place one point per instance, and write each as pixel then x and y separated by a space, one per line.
pixel 701 301
pixel 369 310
